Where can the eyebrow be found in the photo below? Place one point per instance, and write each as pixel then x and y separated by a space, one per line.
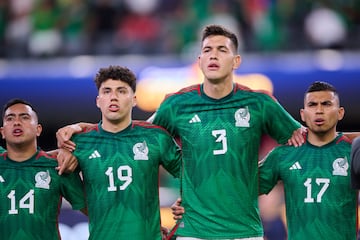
pixel 221 46
pixel 121 87
pixel 320 102
pixel 13 114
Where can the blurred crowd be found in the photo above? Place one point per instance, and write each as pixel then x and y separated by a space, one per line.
pixel 48 28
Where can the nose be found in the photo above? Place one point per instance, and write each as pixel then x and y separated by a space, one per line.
pixel 114 95
pixel 213 54
pixel 17 121
pixel 319 108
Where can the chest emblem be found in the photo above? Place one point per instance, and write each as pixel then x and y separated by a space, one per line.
pixel 242 117
pixel 141 151
pixel 340 167
pixel 42 180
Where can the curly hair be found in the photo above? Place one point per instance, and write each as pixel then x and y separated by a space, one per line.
pixel 116 73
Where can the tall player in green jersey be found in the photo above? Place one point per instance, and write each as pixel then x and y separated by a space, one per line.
pixel 220 125
pixel 31 190
pixel 119 159
pixel 320 203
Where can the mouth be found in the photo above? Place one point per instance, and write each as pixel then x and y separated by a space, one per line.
pixel 17 132
pixel 114 108
pixel 213 66
pixel 319 121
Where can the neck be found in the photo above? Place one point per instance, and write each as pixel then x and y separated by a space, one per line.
pixel 21 152
pixel 218 90
pixel 115 127
pixel 321 139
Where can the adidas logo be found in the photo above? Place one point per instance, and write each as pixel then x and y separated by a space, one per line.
pixel 95 154
pixel 195 119
pixel 295 166
pixel 2 179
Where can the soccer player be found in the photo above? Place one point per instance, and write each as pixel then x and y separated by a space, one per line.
pixel 119 159
pixel 220 124
pixel 355 163
pixel 320 203
pixel 31 190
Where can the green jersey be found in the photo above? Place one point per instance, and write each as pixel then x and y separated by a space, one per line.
pixel 31 193
pixel 121 176
pixel 320 203
pixel 2 150
pixel 220 141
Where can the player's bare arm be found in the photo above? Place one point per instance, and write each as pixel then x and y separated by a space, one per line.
pixel 177 209
pixel 63 136
pixel 67 162
pixel 297 138
pixel 352 135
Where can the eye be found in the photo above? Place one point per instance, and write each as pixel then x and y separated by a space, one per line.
pixel 9 118
pixel 206 50
pixel 311 104
pixel 25 117
pixel 106 91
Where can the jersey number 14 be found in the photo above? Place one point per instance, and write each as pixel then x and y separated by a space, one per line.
pixel 27 201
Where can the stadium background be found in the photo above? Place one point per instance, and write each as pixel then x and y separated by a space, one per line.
pixel 51 49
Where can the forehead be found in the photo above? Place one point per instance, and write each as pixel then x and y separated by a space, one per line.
pixel 111 83
pixel 216 40
pixel 18 108
pixel 320 96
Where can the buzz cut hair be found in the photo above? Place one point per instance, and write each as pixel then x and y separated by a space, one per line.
pixel 14 101
pixel 319 86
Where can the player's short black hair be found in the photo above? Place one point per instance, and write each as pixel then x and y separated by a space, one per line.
pixel 319 86
pixel 116 73
pixel 213 30
pixel 14 101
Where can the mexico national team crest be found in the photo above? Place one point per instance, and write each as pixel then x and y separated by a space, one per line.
pixel 42 180
pixel 242 117
pixel 141 151
pixel 340 167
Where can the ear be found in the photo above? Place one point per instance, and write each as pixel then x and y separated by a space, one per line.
pixel 134 101
pixel 38 130
pixel 302 114
pixel 341 113
pixel 1 131
pixel 237 61
pixel 97 101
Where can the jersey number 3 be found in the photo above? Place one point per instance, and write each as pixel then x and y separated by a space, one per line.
pixel 220 136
